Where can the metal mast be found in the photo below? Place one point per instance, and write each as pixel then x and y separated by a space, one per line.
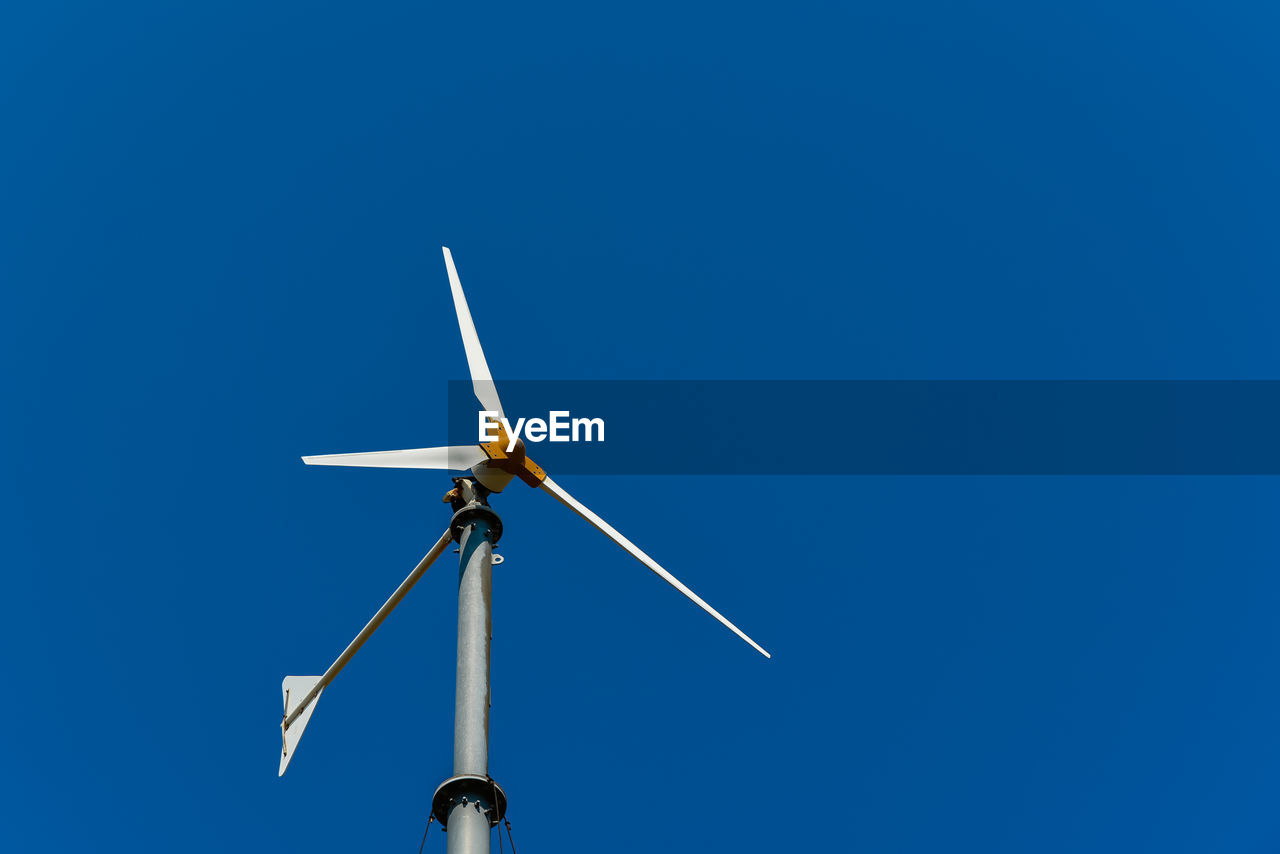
pixel 469 803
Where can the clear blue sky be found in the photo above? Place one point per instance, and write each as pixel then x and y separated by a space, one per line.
pixel 219 249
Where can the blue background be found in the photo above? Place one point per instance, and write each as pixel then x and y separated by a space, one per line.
pixel 219 249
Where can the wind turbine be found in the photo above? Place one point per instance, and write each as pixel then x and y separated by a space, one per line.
pixel 469 803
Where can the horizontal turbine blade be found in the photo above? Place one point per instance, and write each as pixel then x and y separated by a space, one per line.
pixel 459 457
pixel 301 692
pixel 608 530
pixel 481 379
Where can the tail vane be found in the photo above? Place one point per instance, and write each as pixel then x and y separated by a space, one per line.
pixel 296 690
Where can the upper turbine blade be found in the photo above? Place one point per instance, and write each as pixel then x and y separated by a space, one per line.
pixel 608 530
pixel 458 457
pixel 481 379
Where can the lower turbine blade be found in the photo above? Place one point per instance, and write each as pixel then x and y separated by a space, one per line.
pixel 458 457
pixel 608 530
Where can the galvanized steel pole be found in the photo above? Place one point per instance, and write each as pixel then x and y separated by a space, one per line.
pixel 469 822
pixel 469 803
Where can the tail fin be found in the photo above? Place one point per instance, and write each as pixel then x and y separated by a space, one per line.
pixel 295 690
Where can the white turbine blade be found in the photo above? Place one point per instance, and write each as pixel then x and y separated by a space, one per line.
pixel 608 530
pixel 302 692
pixel 458 457
pixel 481 379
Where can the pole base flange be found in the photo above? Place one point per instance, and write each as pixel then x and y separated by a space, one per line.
pixel 472 787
